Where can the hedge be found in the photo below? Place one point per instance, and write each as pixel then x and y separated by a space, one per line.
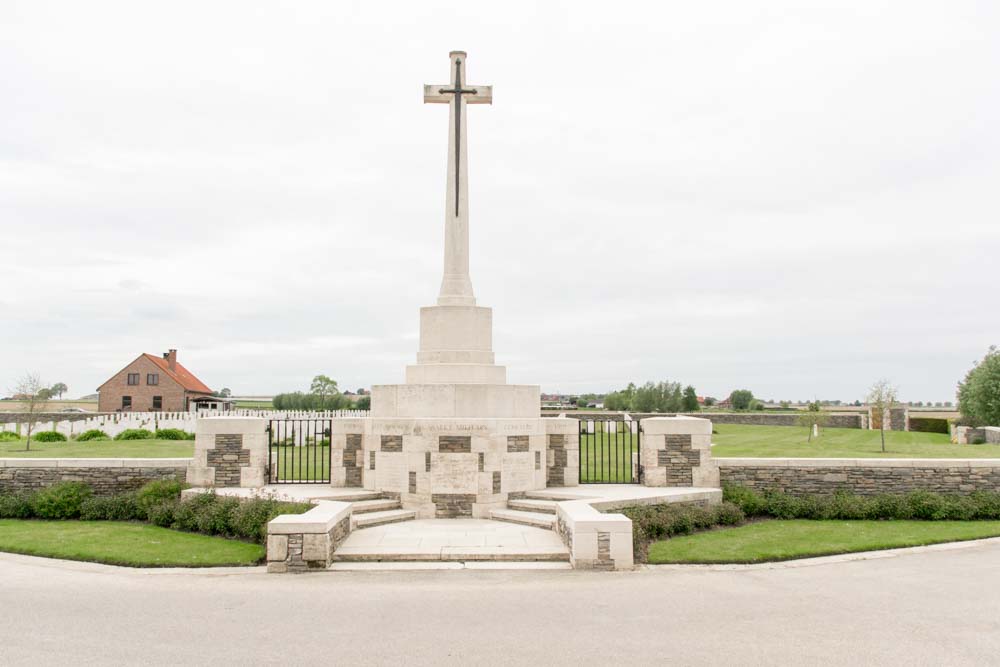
pixel 135 434
pixel 929 425
pixel 48 436
pixel 173 434
pixel 158 503
pixel 92 434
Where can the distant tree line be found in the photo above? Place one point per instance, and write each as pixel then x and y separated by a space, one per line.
pixel 323 394
pixel 653 397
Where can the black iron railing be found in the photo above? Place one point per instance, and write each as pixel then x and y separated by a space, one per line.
pixel 609 451
pixel 299 451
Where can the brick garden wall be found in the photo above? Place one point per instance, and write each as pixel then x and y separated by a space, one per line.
pixel 871 477
pixel 108 477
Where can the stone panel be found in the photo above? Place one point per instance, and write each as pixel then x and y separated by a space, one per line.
pixel 392 443
pixel 227 458
pixel 453 505
pixel 455 444
pixel 352 459
pixel 517 443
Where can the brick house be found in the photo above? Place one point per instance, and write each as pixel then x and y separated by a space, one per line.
pixel 151 384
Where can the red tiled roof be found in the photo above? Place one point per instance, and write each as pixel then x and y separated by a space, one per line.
pixel 181 375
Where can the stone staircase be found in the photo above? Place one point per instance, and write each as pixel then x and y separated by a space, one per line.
pixel 375 509
pixel 528 511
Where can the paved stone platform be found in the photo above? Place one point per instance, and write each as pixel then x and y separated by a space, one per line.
pixel 452 540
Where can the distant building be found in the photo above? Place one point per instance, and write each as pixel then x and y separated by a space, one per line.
pixel 155 384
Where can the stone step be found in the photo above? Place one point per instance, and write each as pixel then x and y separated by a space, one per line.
pixel 375 505
pixel 369 519
pixel 537 519
pixel 347 496
pixel 450 554
pixel 528 505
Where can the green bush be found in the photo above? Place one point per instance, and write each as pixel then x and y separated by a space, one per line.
pixel 162 515
pixel 158 492
pixel 929 425
pixel 173 434
pixel 921 505
pixel 48 436
pixel 92 434
pixel 135 434
pixel 16 506
pixel 60 501
pixel 653 522
pixel 9 436
pixel 187 511
pixel 122 507
pixel 250 519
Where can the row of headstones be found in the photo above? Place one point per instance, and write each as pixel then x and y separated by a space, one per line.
pixel 185 421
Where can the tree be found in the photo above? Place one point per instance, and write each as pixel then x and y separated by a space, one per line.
pixel 364 403
pixel 581 402
pixel 324 388
pixel 979 392
pixel 690 400
pixel 813 417
pixel 882 398
pixel 741 399
pixel 34 396
pixel 58 389
pixel 225 392
pixel 710 401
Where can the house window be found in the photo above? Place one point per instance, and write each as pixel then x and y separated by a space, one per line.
pixel 152 378
pixel 133 378
pixel 126 402
pixel 157 402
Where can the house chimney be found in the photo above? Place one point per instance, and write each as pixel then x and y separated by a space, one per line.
pixel 171 357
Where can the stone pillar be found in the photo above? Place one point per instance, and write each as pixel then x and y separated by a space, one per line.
pixel 229 452
pixel 303 542
pixel 676 451
pixel 562 455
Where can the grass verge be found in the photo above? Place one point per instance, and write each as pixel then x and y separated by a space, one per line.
pixel 123 543
pixel 777 540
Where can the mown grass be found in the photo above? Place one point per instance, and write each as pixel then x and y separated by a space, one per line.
pixel 791 441
pixel 776 540
pixel 139 449
pixel 123 543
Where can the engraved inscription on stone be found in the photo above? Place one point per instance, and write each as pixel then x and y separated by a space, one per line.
pixel 413 482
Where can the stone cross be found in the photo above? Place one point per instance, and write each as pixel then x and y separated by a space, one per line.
pixel 456 285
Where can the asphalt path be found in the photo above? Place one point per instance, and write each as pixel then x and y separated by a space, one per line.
pixel 931 607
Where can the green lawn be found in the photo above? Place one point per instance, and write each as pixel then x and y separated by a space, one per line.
pixel 100 449
pixel 302 464
pixel 606 457
pixel 783 540
pixel 740 440
pixel 123 543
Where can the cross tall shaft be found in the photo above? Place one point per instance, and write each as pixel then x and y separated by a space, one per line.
pixel 456 285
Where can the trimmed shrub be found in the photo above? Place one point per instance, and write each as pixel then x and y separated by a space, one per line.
pixel 9 436
pixel 135 434
pixel 162 515
pixel 157 493
pixel 16 506
pixel 92 434
pixel 250 519
pixel 929 425
pixel 173 434
pixel 652 522
pixel 112 508
pixel 187 511
pixel 61 501
pixel 48 436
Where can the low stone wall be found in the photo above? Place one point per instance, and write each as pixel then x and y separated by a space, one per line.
pixel 106 476
pixel 865 477
pixel 302 542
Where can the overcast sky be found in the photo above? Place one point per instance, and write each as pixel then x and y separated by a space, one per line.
pixel 797 198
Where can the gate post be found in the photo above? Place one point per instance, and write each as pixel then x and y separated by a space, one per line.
pixel 676 451
pixel 229 451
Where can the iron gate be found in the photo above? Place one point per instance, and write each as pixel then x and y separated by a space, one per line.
pixel 298 451
pixel 609 451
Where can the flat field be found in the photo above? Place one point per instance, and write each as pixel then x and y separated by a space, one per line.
pixel 100 449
